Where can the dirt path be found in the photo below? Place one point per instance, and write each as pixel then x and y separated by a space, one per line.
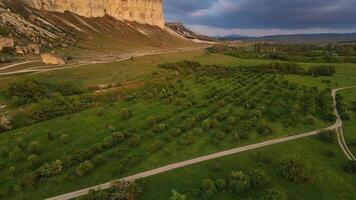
pixel 98 60
pixel 17 64
pixel 340 132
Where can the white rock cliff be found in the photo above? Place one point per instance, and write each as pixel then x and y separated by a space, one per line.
pixel 141 11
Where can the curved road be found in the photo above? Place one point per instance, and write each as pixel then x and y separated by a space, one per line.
pixel 340 132
pixel 337 126
pixel 99 60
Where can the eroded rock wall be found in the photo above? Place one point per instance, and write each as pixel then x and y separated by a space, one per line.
pixel 142 11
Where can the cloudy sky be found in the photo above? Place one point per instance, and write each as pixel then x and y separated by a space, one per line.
pixel 263 17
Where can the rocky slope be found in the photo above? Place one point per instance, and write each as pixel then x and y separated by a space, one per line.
pixel 27 24
pixel 180 29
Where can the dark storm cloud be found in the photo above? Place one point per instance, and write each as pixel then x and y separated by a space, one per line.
pixel 264 14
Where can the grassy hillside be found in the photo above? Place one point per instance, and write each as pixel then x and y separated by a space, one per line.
pixel 206 109
pixel 325 170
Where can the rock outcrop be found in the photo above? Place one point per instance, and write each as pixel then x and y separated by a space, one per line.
pixel 141 11
pixel 180 29
pixel 6 42
pixel 52 59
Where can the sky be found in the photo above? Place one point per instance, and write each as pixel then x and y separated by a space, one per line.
pixel 263 17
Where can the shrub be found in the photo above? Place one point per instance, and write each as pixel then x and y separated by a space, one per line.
pixel 257 178
pixel 16 154
pixel 274 194
pixel 231 121
pixel 109 142
pixel 328 136
pixel 29 180
pixel 154 147
pixel 198 131
pixel 50 136
pixel 177 196
pixel 351 166
pixel 34 147
pixel 65 138
pixel 207 189
pixel 134 140
pixel 151 120
pixel 26 92
pixel 206 124
pixel 20 143
pixel 295 170
pixel 125 113
pixel 310 120
pixel 84 168
pixel 118 137
pixel 96 195
pixel 12 170
pixel 220 184
pixel 4 152
pixel 125 190
pixel 99 160
pixel 175 132
pixel 51 169
pixel 159 127
pixel 239 182
pixel 265 129
pixel 33 160
pixel 346 115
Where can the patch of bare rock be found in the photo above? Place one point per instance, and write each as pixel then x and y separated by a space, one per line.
pixel 52 59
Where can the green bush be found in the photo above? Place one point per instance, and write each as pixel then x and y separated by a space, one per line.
pixel 65 138
pixel 274 194
pixel 177 196
pixel 33 160
pixel 328 136
pixel 125 113
pixel 84 168
pixel 239 182
pixel 151 120
pixel 295 170
pixel 109 142
pixel 34 147
pixel 207 189
pixel 96 195
pixel 220 184
pixel 16 154
pixel 257 178
pixel 51 169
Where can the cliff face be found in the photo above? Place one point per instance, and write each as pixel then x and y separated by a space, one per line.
pixel 142 11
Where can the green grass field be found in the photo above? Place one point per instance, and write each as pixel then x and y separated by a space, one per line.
pixel 329 182
pixel 174 102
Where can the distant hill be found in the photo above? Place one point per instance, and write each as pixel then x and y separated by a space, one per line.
pixel 323 37
pixel 233 37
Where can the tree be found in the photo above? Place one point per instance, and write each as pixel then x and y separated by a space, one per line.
pixel 295 170
pixel 207 189
pixel 177 196
pixel 125 113
pixel 33 159
pixel 126 190
pixel 65 139
pixel 274 194
pixel 50 136
pixel 351 166
pixel 84 168
pixel 220 184
pixel 257 178
pixel 328 136
pixel 239 182
pixel 34 147
pixel 51 169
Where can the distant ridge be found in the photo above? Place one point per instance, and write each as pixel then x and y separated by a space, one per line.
pixel 298 38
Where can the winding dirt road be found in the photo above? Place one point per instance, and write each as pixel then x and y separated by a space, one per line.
pixel 337 126
pixel 96 60
pixel 340 132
